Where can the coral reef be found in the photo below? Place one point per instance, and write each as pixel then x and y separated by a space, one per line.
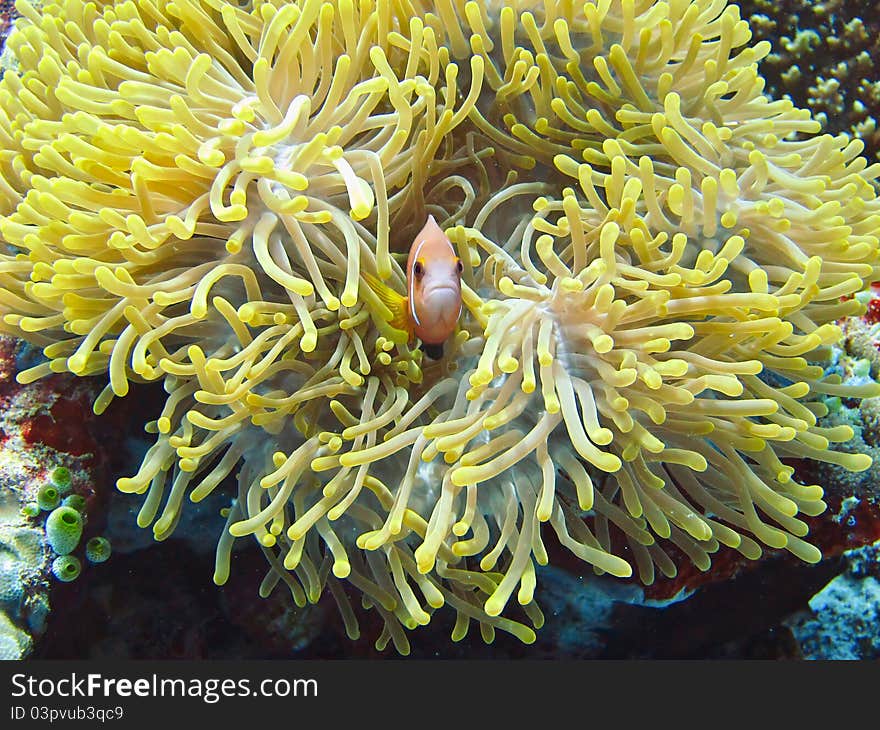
pixel 856 361
pixel 841 622
pixel 24 601
pixel 824 60
pixel 24 556
pixel 32 463
pixel 7 18
pixel 655 255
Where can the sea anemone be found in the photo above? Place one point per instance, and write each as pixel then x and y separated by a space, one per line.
pixel 654 256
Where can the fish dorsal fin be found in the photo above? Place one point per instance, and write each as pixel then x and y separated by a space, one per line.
pixel 396 302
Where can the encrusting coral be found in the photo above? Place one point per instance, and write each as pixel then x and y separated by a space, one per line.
pixel 823 59
pixel 654 256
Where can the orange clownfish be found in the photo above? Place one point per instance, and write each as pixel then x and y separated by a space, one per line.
pixel 431 309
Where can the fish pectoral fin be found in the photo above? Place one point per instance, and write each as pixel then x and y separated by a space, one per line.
pixel 393 301
pixel 400 319
pixel 386 294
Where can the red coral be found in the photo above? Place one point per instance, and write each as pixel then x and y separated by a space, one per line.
pixel 8 351
pixel 726 563
pixel 872 316
pixel 63 426
pixel 832 532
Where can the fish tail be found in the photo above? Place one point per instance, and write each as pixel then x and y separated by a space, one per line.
pixel 395 302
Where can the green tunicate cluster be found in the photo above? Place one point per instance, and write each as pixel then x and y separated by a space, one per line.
pixel 64 529
pixel 48 497
pixel 60 477
pixel 66 568
pixel 30 509
pixel 76 501
pixel 98 549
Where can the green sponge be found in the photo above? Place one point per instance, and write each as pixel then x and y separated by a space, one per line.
pixel 48 496
pixel 97 550
pixel 60 477
pixel 63 529
pixel 78 502
pixel 66 568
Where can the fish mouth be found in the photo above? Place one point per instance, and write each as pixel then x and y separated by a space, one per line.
pixel 442 288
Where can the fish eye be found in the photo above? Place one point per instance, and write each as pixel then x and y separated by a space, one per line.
pixel 418 269
pixel 458 265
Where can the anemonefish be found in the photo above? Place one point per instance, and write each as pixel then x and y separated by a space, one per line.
pixel 432 306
